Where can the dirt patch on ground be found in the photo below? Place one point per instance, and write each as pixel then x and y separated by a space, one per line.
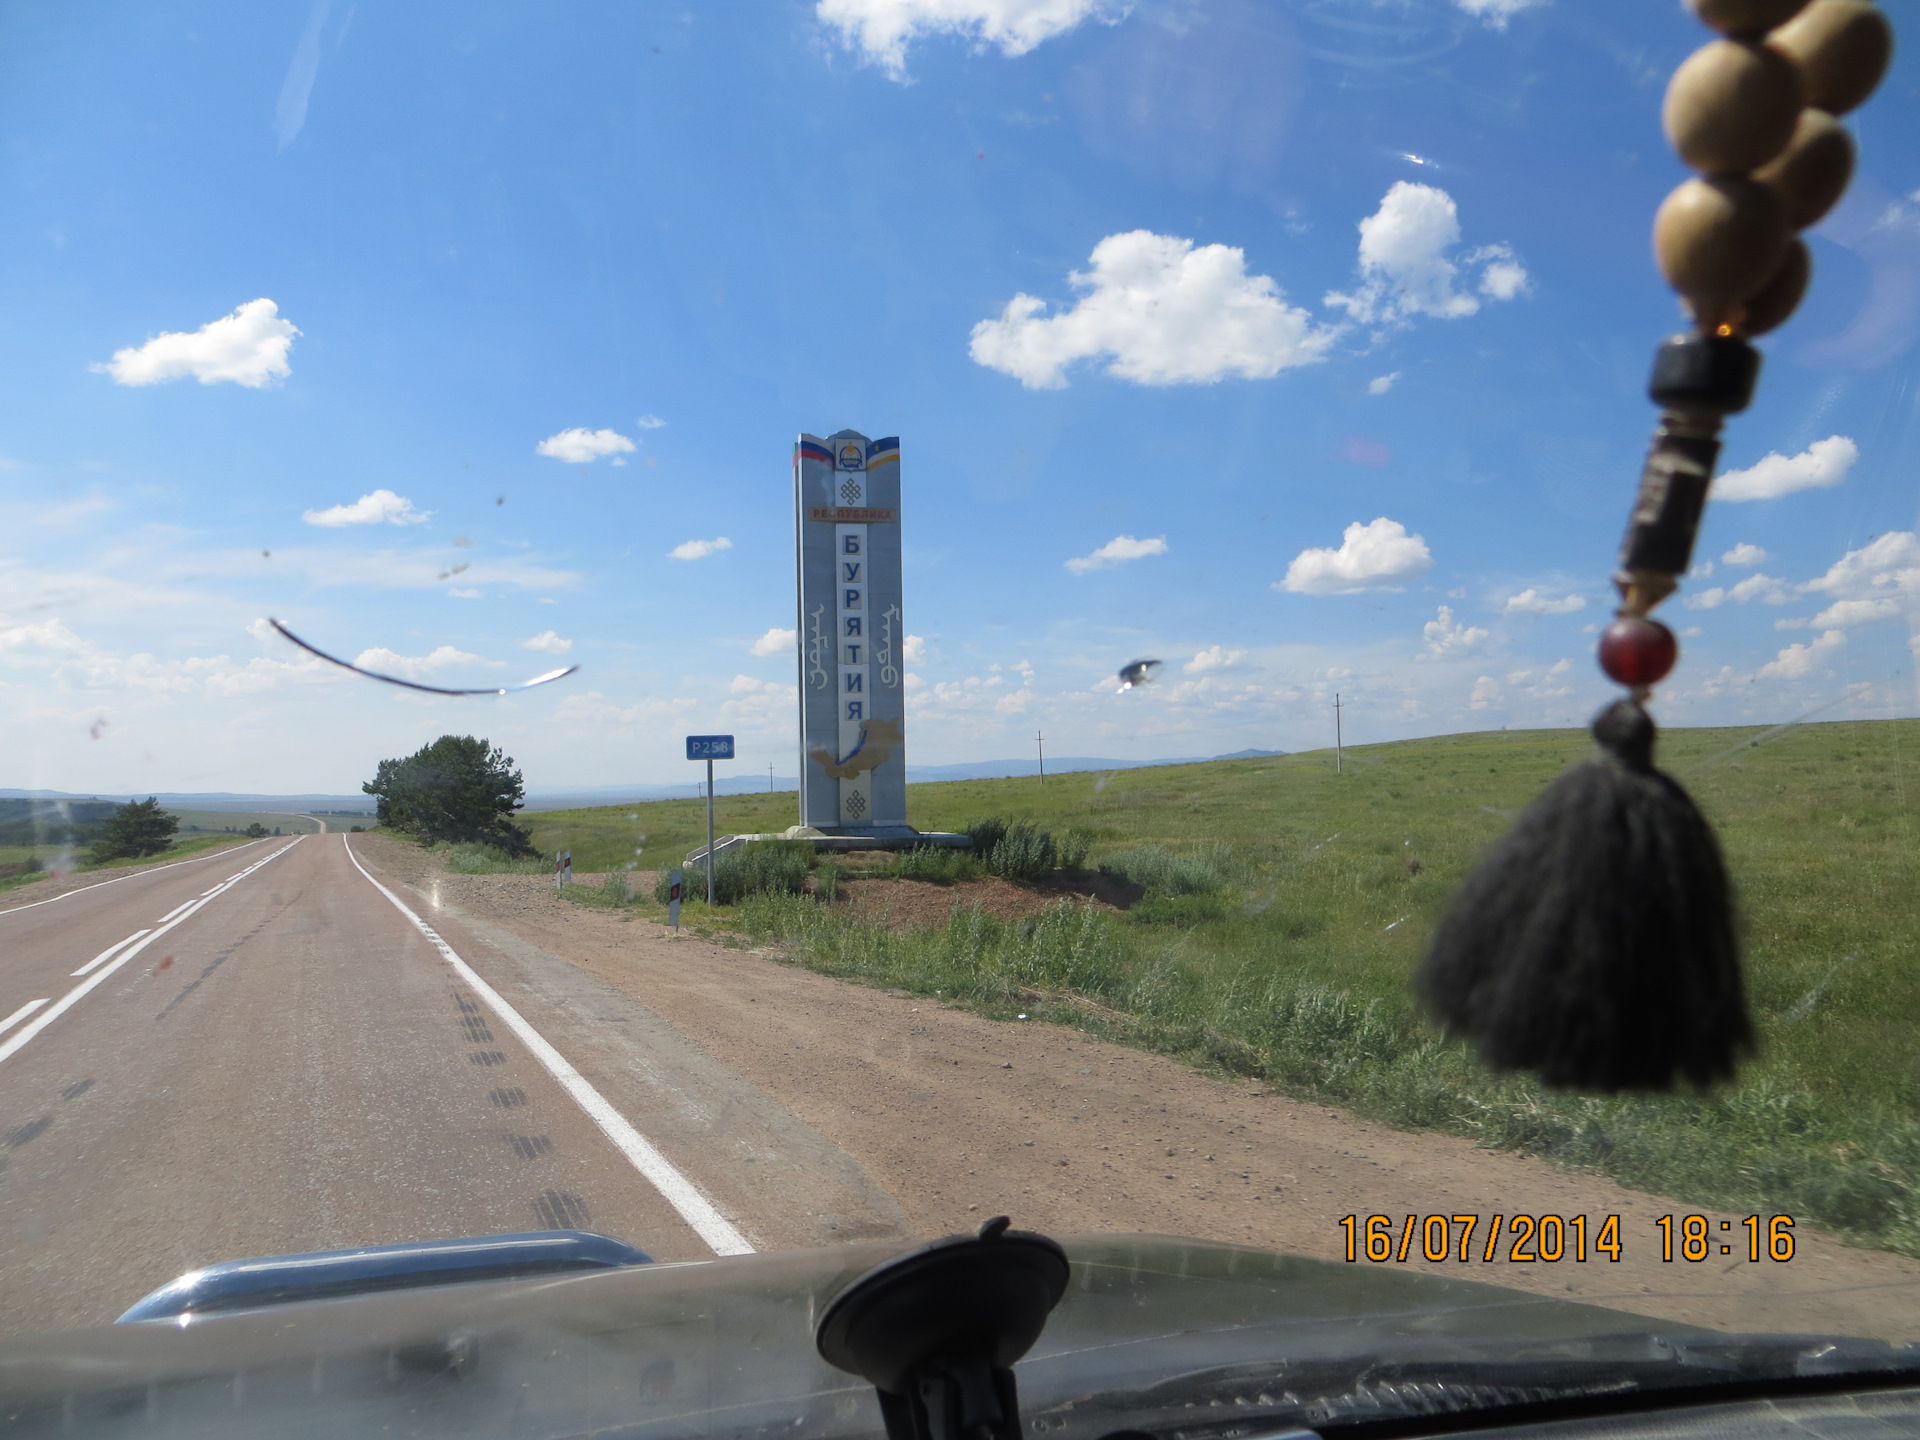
pixel 960 1117
pixel 903 903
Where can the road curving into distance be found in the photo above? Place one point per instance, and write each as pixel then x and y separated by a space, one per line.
pixel 278 1052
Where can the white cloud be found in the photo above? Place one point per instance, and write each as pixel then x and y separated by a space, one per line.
pixel 463 594
pixel 1754 587
pixel 1532 602
pixel 1403 266
pixel 1166 312
pixel 416 667
pixel 549 641
pixel 42 635
pixel 1486 693
pixel 1445 637
pixel 1496 12
pixel 650 422
pixel 370 509
pixel 248 347
pixel 580 446
pixel 1504 276
pixel 882 29
pixel 700 549
pixel 1213 658
pixel 1742 554
pixel 1376 556
pixel 1823 463
pixel 775 642
pixel 914 652
pixel 1380 384
pixel 1876 582
pixel 1117 551
pixel 1798 660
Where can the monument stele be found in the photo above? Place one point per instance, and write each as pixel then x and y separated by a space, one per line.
pixel 853 714
pixel 851 647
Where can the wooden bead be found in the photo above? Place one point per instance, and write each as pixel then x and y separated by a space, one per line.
pixel 1842 48
pixel 1745 18
pixel 1637 651
pixel 1720 240
pixel 1813 171
pixel 1731 106
pixel 1780 296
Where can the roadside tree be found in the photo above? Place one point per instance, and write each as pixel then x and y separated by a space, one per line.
pixel 457 789
pixel 137 828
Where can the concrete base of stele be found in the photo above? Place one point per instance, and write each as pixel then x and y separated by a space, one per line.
pixel 876 837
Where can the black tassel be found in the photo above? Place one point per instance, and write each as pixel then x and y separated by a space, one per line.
pixel 1596 944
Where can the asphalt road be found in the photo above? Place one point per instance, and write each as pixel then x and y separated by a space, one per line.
pixel 261 1052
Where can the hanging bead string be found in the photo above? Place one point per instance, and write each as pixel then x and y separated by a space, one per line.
pixel 1754 113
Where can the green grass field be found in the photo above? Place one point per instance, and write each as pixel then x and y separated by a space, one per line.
pixel 289 823
pixel 184 847
pixel 1296 969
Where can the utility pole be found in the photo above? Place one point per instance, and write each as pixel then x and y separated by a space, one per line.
pixel 1039 741
pixel 1336 732
pixel 769 777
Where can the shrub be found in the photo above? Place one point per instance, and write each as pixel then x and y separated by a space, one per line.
pixel 1073 849
pixel 776 867
pixel 1025 852
pixel 985 834
pixel 936 862
pixel 475 859
pixel 1204 870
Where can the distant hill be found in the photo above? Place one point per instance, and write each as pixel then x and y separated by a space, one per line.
pixel 1009 769
pixel 215 800
pixel 588 796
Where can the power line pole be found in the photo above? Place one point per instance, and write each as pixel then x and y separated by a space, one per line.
pixel 769 777
pixel 1336 732
pixel 1039 741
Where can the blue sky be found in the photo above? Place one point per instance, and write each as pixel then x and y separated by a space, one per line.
pixel 1299 343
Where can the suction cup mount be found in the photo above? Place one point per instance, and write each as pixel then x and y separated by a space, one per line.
pixel 937 1330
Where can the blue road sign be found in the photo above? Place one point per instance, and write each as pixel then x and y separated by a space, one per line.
pixel 709 747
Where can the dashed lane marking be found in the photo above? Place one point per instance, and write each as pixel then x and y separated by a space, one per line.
pixel 74 996
pixel 130 875
pixel 112 950
pixel 22 1013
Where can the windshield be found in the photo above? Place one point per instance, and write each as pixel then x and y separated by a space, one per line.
pixel 968 582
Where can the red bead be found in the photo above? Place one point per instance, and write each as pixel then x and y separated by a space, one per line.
pixel 1638 651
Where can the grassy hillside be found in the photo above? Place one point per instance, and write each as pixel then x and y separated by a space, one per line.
pixel 1817 821
pixel 1292 964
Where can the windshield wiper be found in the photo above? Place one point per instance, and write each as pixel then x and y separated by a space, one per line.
pixel 1427 1389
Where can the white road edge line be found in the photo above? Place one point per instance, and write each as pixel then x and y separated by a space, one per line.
pixel 19 1015
pixel 106 954
pixel 678 1191
pixel 74 996
pixel 130 875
